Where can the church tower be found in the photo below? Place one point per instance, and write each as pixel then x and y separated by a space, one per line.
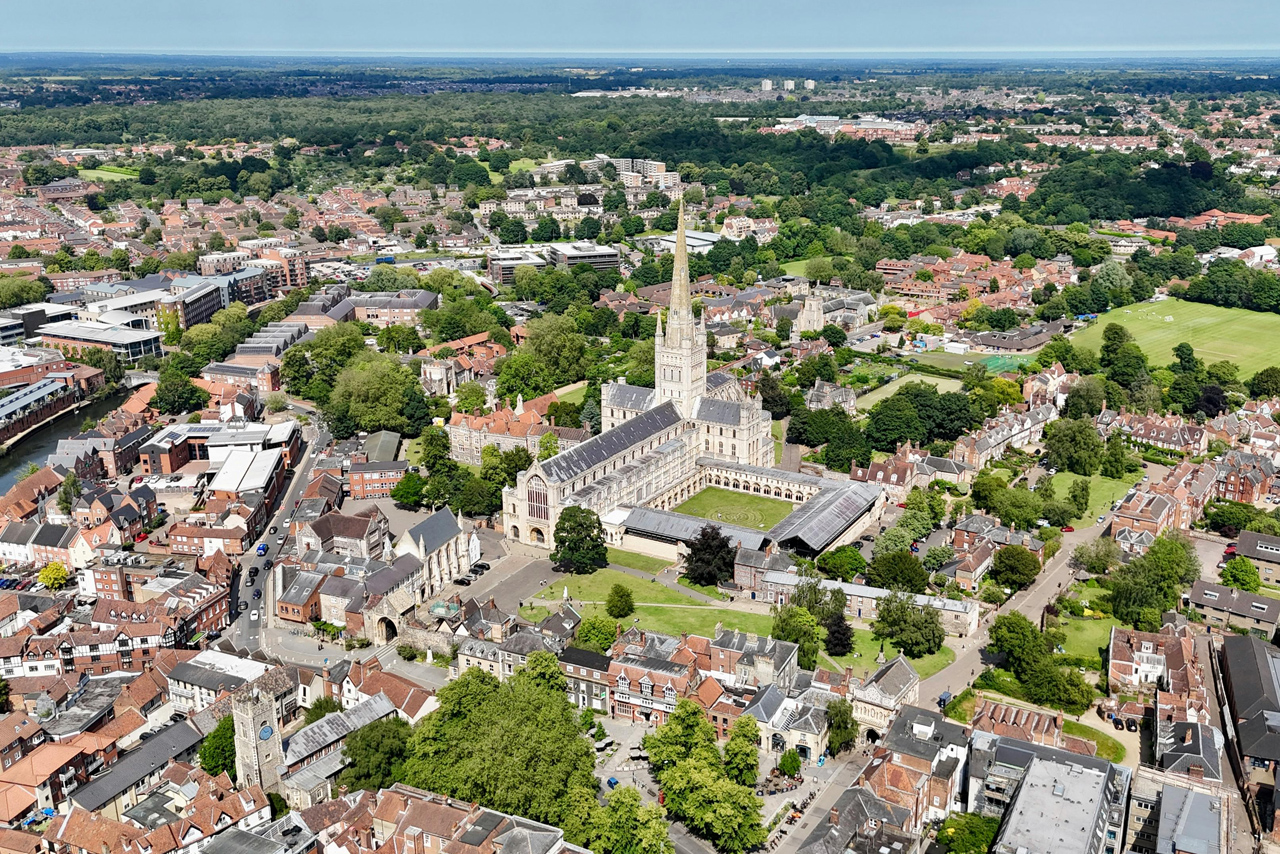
pixel 259 749
pixel 680 353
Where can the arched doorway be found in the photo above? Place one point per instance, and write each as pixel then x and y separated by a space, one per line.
pixel 386 630
pixel 872 736
pixel 538 537
pixel 515 533
pixel 778 743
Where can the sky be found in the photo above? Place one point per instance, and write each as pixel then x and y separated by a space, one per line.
pixel 728 28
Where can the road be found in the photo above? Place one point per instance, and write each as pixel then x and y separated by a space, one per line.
pixel 244 632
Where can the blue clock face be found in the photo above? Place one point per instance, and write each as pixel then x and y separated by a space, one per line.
pixel 265 733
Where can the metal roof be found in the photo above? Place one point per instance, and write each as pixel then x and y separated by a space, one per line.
pixel 677 527
pixel 822 519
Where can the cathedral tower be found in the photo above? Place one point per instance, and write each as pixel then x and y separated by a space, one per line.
pixel 680 354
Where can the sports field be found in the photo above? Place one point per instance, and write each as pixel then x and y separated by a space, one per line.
pixel 1247 338
pixel 943 384
pixel 736 508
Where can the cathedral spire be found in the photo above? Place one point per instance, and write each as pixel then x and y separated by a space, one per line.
pixel 660 336
pixel 681 300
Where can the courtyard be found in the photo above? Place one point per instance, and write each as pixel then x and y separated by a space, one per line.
pixel 737 508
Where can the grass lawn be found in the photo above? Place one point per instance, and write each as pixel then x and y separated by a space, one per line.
pixel 1108 747
pixel 796 268
pixel 578 395
pixel 1087 637
pixel 943 384
pixel 104 175
pixel 1088 594
pixel 701 588
pixel 736 508
pixel 1103 492
pixel 635 560
pixel 413 451
pixel 673 621
pixel 962 707
pixel 779 430
pixel 866 647
pixel 1234 334
pixel 595 588
pixel 777 453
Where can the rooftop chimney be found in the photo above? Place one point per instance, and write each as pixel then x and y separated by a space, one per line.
pixel 834 818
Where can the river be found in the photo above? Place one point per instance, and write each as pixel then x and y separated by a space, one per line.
pixel 37 446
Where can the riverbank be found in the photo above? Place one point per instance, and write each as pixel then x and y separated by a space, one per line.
pixel 37 443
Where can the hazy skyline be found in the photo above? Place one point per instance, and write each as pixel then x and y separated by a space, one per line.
pixel 659 27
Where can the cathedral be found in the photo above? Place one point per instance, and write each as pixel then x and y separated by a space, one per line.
pixel 654 442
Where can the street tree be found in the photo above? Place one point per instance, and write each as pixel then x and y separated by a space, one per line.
pixel 710 558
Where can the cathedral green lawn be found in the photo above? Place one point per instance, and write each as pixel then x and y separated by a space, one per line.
pixel 635 560
pixel 1087 637
pixel 737 508
pixel 673 620
pixel 1232 334
pixel 866 647
pixel 596 586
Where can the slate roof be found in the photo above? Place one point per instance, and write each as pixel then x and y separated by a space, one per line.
pixel 726 412
pixel 434 531
pixel 624 396
pixel 203 677
pixel 1187 745
pixel 852 809
pixel 304 584
pixel 716 380
pixel 1251 668
pixel 567 465
pixel 156 752
pixel 334 727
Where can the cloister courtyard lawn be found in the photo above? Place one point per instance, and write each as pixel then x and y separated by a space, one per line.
pixel 737 508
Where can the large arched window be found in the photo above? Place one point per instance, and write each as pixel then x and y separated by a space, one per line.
pixel 537 492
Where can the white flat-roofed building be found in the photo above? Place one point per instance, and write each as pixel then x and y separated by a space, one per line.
pixel 583 252
pixel 127 343
pixel 246 470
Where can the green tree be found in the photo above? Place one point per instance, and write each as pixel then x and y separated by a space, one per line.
pixel 176 393
pixel 742 753
pixel 375 755
pixel 1074 446
pixel 1014 566
pixel 218 752
pixel 321 707
pixel 277 401
pixel 619 603
pixel 548 446
pixel 796 625
pixel 710 558
pixel 279 806
pixel 408 491
pixel 29 469
pixel 842 563
pixel 68 493
pixel 839 640
pixel 968 833
pixel 1265 383
pixel 597 633
pixel 1096 556
pixel 897 540
pixel 1241 574
pixel 471 397
pixel 842 729
pixel 789 763
pixel 1020 641
pixel 579 541
pixel 686 734
pixel 898 571
pixel 914 629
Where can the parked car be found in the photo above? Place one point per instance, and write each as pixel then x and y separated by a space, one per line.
pixel 257 594
pixel 253 616
pixel 1117 723
pixel 273 529
pixel 1101 519
pixel 1067 529
pixel 262 549
pixel 464 580
pixel 480 565
pixel 1131 725
pixel 279 541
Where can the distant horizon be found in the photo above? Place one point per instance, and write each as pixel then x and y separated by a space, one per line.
pixel 662 28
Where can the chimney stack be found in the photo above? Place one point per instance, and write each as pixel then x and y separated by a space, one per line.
pixel 834 818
